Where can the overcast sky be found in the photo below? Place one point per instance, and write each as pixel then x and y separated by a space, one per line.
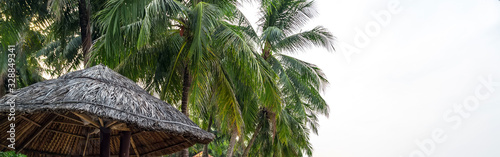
pixel 402 93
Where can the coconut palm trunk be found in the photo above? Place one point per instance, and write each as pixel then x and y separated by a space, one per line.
pixel 196 45
pixel 3 90
pixel 269 114
pixel 205 147
pixel 184 105
pixel 232 142
pixel 252 140
pixel 86 36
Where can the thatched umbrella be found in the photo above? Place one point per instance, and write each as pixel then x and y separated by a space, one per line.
pixel 93 112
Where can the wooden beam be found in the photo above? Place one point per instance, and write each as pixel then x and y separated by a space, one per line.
pixel 81 142
pixel 73 119
pixel 113 136
pixel 40 153
pixel 158 143
pixel 66 133
pixel 86 118
pixel 133 146
pixel 4 121
pixel 36 133
pixel 154 151
pixel 124 144
pixel 70 118
pixel 29 120
pixel 104 150
pixel 70 123
pixel 86 143
pixel 101 122
pixel 95 131
pixel 110 124
pixel 120 127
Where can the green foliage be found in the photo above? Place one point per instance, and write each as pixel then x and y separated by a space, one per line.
pixel 240 76
pixel 11 154
pixel 299 82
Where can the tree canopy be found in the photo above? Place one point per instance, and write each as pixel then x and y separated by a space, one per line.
pixel 202 56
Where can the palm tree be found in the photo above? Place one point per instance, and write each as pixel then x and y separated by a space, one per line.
pixel 16 30
pixel 70 34
pixel 66 17
pixel 200 55
pixel 300 82
pixel 51 29
pixel 194 50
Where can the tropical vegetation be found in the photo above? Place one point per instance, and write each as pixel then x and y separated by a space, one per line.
pixel 232 78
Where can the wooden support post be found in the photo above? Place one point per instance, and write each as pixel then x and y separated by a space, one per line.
pixel 124 144
pixel 105 142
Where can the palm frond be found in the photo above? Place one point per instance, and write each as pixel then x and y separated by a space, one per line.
pixel 318 36
pixel 273 35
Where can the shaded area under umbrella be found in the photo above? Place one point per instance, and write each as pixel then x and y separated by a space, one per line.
pixel 95 112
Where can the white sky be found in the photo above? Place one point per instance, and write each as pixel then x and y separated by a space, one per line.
pixel 398 88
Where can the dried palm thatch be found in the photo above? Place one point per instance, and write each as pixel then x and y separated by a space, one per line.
pixel 61 117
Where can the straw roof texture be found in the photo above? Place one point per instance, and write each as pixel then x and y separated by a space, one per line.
pixel 49 117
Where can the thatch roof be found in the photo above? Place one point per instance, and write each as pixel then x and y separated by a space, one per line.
pixel 49 116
